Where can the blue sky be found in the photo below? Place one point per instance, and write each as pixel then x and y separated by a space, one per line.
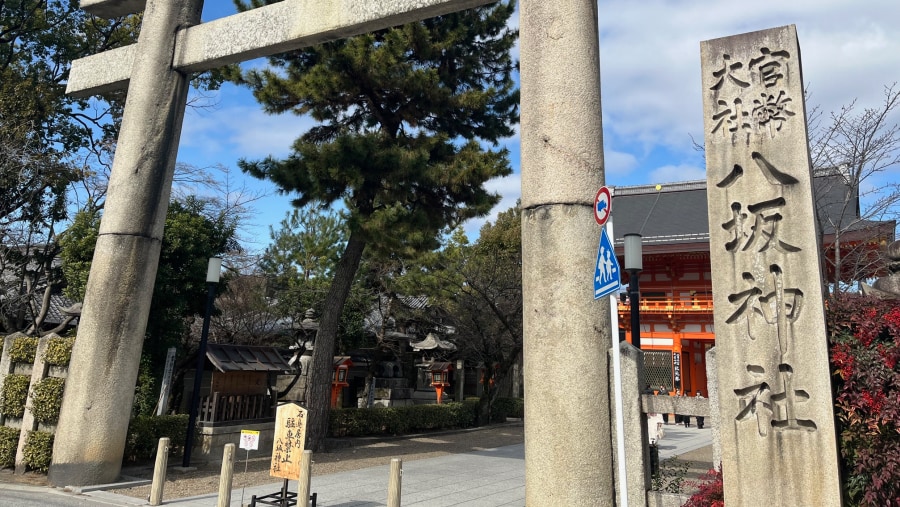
pixel 650 78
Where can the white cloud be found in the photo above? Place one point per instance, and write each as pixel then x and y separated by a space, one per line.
pixel 618 163
pixel 650 59
pixel 674 173
pixel 234 129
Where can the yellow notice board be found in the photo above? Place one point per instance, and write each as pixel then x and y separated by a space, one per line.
pixel 290 439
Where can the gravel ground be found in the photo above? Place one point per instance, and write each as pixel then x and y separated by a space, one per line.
pixel 360 453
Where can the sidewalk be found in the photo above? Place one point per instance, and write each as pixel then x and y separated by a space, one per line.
pixel 489 478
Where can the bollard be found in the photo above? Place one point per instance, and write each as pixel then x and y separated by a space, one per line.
pixel 226 476
pixel 159 471
pixel 305 477
pixel 394 484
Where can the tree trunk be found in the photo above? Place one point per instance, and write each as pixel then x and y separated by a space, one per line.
pixel 837 262
pixel 318 390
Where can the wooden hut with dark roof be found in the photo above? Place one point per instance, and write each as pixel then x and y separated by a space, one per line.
pixel 239 383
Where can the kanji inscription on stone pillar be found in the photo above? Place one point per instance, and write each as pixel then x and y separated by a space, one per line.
pixel 777 422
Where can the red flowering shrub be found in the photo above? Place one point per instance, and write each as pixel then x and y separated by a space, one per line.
pixel 865 348
pixel 709 491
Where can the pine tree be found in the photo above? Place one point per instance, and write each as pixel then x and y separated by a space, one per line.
pixel 402 117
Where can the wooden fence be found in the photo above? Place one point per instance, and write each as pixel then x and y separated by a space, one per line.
pixel 224 407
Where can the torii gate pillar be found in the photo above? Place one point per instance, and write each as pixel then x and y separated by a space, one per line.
pixel 93 420
pixel 568 450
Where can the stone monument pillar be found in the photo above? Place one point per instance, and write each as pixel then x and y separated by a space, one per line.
pixel 568 455
pixel 777 419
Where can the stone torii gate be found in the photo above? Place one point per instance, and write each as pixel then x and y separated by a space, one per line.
pixel 567 434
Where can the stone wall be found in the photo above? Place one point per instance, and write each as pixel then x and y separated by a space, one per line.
pixel 38 370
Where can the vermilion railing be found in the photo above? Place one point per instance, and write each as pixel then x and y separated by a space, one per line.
pixel 697 304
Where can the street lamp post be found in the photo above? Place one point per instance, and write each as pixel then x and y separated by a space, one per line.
pixel 212 278
pixel 633 265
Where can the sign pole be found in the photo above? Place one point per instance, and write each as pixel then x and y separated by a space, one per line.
pixel 608 282
pixel 617 386
pixel 249 441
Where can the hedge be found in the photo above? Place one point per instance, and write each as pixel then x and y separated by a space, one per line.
pixel 46 399
pixel 14 395
pixel 38 450
pixel 59 351
pixel 9 443
pixel 355 422
pixel 509 407
pixel 23 350
pixel 145 431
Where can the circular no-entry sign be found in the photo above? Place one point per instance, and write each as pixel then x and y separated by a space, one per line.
pixel 602 205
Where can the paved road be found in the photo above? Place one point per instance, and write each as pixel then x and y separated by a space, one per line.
pixel 490 478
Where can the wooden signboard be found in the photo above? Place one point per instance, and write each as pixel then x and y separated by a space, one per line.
pixel 290 440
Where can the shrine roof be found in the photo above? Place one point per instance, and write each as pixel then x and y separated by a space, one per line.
pixel 247 358
pixel 676 213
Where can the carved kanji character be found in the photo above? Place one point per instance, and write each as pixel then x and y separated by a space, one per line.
pixel 778 306
pixel 763 232
pixel 727 74
pixel 770 111
pixel 730 118
pixel 755 400
pixel 785 418
pixel 770 66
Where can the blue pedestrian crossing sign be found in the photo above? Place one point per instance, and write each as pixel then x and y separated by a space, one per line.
pixel 606 274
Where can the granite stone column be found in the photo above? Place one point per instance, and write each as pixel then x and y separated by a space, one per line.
pixel 93 421
pixel 568 454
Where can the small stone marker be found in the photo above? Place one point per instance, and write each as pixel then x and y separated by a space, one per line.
pixel 290 440
pixel 777 419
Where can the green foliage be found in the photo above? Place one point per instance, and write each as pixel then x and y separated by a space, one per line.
pixel 77 251
pixel 59 351
pixel 46 398
pixel 403 116
pixel 478 289
pixel 307 245
pixel 865 353
pixel 48 37
pixel 144 391
pixel 354 422
pixel 23 350
pixel 509 407
pixel 42 130
pixel 671 476
pixel 394 106
pixel 195 231
pixel 144 433
pixel 38 450
pixel 14 395
pixel 9 444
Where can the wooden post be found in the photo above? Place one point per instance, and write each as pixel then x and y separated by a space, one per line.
pixel 226 476
pixel 394 484
pixel 159 471
pixel 305 477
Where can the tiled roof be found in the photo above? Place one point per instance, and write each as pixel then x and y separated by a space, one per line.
pixel 248 358
pixel 55 314
pixel 676 213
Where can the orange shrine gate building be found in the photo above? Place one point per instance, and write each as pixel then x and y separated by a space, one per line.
pixel 676 306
